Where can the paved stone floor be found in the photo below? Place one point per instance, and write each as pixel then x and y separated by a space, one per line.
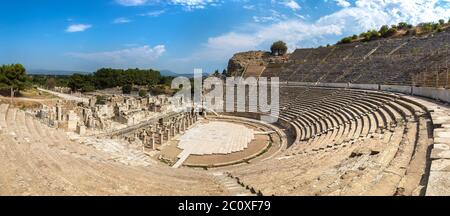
pixel 214 138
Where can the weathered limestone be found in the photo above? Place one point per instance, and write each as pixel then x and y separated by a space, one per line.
pixel 81 130
pixel 152 140
pixel 72 121
pixel 59 113
pixel 160 138
pixel 440 151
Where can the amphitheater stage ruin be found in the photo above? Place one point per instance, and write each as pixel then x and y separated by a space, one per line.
pixel 334 140
pixel 220 142
pixel 354 119
pixel 328 141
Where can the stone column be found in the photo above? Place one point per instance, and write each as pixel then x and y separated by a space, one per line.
pixel 160 138
pixel 172 131
pixel 152 141
pixel 59 113
pixel 178 126
pixel 168 135
pixel 183 125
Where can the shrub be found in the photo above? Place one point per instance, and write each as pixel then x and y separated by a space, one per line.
pixel 383 30
pixel 346 40
pixel 126 89
pixel 143 93
pixel 391 32
pixel 371 35
pixel 88 88
pixel 426 27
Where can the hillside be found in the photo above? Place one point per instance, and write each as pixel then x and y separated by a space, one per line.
pixel 414 59
pixel 247 62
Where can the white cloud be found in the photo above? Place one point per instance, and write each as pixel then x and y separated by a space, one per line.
pixel 364 15
pixel 343 3
pixel 292 5
pixel 195 4
pixel 249 7
pixel 274 17
pixel 131 57
pixel 371 14
pixel 187 4
pixel 78 28
pixel 292 32
pixel 153 13
pixel 131 2
pixel 121 20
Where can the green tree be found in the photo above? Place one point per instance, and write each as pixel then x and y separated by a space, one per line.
pixel 426 27
pixel 383 30
pixel 346 40
pixel 126 89
pixel 442 22
pixel 13 77
pixel 404 25
pixel 51 83
pixel 216 73
pixel 224 73
pixel 77 82
pixel 88 88
pixel 143 93
pixel 370 35
pixel 279 48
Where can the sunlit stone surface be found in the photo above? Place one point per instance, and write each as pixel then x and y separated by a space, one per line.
pixel 216 138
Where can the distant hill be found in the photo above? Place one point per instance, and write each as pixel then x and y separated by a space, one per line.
pixel 173 74
pixel 54 72
pixel 68 73
pixel 168 73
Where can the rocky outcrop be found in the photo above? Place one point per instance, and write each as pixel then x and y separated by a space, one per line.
pixel 240 61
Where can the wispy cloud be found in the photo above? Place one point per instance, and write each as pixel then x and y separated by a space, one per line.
pixel 291 4
pixel 364 15
pixel 121 20
pixel 195 4
pixel 130 57
pixel 78 28
pixel 343 3
pixel 249 7
pixel 129 3
pixel 187 4
pixel 153 13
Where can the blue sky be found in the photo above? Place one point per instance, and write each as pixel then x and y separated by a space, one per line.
pixel 181 35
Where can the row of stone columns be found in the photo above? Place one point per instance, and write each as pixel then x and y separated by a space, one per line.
pixel 160 134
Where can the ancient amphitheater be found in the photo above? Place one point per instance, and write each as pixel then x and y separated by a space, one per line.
pixel 357 119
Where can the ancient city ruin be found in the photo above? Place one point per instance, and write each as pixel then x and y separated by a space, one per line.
pixel 366 116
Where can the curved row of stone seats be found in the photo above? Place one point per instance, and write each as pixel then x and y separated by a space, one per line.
pixel 300 95
pixel 254 70
pixel 273 70
pixel 317 119
pixel 370 119
pixel 375 146
pixel 438 183
pixel 38 160
pixel 367 62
